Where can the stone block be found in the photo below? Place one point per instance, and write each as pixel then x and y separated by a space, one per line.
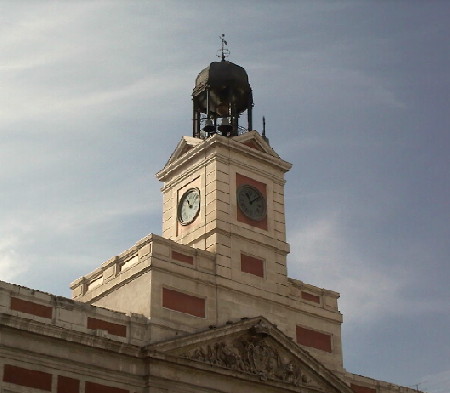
pixel 330 303
pixel 71 317
pixel 217 195
pixel 279 188
pixel 222 166
pixel 217 185
pixel 278 267
pixel 223 271
pixel 217 215
pixel 205 264
pixel 211 241
pixel 109 272
pixel 278 198
pixel 168 219
pixel 168 214
pixel 94 283
pixel 219 206
pixel 223 250
pixel 5 300
pixel 160 249
pixel 144 250
pixel 278 207
pixel 130 262
pixel 198 243
pixel 279 227
pixel 169 232
pixel 211 167
pixel 167 196
pixel 279 217
pixel 279 235
pixel 78 291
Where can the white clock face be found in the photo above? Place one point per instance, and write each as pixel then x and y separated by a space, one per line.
pixel 251 202
pixel 189 206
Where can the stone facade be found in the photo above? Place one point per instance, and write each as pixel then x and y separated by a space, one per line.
pixel 218 241
pixel 54 344
pixel 207 307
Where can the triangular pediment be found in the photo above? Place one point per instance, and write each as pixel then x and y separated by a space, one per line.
pixel 254 140
pixel 252 350
pixel 187 143
pixel 251 139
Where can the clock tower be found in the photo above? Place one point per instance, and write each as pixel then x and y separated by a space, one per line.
pixel 222 254
pixel 226 195
pixel 224 187
pixel 206 307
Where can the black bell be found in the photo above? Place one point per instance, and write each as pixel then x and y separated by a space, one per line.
pixel 225 127
pixel 209 126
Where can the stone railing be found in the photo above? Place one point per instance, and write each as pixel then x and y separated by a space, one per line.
pixel 138 257
pixel 313 295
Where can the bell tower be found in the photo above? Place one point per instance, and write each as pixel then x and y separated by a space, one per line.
pixel 221 94
pixel 224 187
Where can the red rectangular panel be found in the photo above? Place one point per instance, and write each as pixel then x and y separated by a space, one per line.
pixel 30 308
pixel 112 328
pixel 182 258
pixel 362 389
pixel 68 385
pixel 310 297
pixel 252 265
pixel 92 387
pixel 184 303
pixel 29 378
pixel 314 339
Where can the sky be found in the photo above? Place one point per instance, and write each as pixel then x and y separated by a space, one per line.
pixel 95 96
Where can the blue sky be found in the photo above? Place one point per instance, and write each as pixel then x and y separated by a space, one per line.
pixel 95 96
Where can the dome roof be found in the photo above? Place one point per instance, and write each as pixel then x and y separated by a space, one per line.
pixel 221 74
pixel 223 78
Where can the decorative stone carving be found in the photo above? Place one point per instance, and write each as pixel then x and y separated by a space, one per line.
pixel 253 353
pixel 262 328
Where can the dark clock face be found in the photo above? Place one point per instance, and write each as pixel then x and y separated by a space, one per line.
pixel 251 202
pixel 189 206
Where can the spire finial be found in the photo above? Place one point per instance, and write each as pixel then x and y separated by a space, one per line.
pixel 224 51
pixel 264 131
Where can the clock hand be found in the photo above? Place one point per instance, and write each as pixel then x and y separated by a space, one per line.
pixel 248 196
pixel 253 200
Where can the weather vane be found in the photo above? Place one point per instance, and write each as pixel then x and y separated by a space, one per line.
pixel 224 51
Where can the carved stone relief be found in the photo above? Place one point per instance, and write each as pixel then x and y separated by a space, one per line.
pixel 255 354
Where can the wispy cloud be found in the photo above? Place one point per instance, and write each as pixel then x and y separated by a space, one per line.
pixel 10 263
pixel 323 255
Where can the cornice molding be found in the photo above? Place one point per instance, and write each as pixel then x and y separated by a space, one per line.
pixel 228 143
pixel 68 335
